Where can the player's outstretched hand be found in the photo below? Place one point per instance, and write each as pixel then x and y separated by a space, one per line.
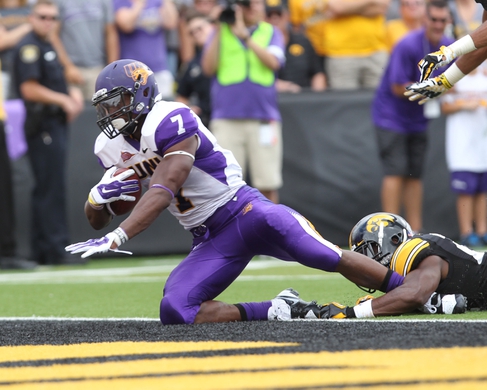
pixel 335 310
pixel 428 89
pixel 433 61
pixel 112 188
pixel 96 245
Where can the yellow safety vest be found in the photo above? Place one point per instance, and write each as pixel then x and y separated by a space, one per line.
pixel 237 63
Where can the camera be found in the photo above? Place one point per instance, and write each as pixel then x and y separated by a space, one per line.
pixel 228 13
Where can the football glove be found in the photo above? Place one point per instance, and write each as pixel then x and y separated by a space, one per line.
pixel 112 188
pixel 428 89
pixel 334 310
pixel 445 304
pixel 96 245
pixel 433 61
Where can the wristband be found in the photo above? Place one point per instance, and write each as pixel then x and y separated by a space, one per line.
pixel 93 204
pixel 120 236
pixel 463 46
pixel 364 310
pixel 453 74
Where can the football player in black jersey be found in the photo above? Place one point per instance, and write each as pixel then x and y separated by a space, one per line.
pixel 441 276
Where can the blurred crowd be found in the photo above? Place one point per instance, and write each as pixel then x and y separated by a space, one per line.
pixel 336 44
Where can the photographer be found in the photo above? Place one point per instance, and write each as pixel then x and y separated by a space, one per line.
pixel 243 56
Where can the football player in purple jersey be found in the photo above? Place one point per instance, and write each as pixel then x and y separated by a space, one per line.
pixel 201 185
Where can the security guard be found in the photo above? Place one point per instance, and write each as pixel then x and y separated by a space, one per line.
pixel 39 79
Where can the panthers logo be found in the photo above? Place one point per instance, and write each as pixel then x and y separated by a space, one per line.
pixel 378 220
pixel 138 72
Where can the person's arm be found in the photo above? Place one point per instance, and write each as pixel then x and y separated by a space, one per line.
pixel 414 292
pixel 32 90
pixel 112 44
pixel 71 71
pixel 126 17
pixel 171 173
pixel 211 53
pixel 318 82
pixel 169 15
pixel 9 38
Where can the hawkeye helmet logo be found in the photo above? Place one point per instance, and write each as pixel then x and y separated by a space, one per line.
pixel 374 223
pixel 138 72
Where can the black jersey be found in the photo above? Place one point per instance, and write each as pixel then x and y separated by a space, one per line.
pixel 467 273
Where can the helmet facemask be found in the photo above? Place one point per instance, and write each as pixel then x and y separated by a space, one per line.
pixel 115 112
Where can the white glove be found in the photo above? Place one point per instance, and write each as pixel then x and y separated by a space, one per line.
pixel 445 304
pixel 434 61
pixel 99 245
pixel 112 188
pixel 428 89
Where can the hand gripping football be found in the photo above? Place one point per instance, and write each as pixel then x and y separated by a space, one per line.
pixel 121 207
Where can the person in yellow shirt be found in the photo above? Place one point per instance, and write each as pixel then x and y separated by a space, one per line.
pixel 413 14
pixel 350 35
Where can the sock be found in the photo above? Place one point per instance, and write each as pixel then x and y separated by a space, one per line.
pixel 255 311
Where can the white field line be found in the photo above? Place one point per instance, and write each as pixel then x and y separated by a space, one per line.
pixel 60 319
pixel 129 274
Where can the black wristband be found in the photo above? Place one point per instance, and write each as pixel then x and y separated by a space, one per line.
pixel 350 313
pixel 385 282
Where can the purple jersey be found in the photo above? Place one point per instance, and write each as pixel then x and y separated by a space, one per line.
pixel 394 113
pixel 147 43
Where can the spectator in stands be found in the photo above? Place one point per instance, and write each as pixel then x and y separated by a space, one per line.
pixel 303 68
pixel 351 35
pixel 400 124
pixel 86 41
pixel 413 14
pixel 244 56
pixel 193 86
pixel 8 244
pixel 208 8
pixel 13 27
pixel 466 146
pixel 467 16
pixel 141 25
pixel 40 81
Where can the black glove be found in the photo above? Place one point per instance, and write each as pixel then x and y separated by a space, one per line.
pixel 445 304
pixel 336 311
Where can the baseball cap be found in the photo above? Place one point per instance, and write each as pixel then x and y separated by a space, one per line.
pixel 272 6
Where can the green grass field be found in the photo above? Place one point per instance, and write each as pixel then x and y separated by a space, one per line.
pixel 132 287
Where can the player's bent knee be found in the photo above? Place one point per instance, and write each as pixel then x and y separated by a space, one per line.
pixel 172 314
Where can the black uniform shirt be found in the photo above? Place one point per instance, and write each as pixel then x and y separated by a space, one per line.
pixel 35 59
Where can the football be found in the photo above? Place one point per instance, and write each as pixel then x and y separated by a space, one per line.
pixel 121 207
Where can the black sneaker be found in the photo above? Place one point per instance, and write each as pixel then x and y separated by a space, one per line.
pixel 299 308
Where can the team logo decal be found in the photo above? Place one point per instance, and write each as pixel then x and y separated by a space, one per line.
pixel 374 223
pixel 296 50
pixel 126 156
pixel 29 54
pixel 137 72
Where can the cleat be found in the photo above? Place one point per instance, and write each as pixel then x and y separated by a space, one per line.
pixel 299 308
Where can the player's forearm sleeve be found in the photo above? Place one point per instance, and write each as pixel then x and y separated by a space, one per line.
pixel 391 281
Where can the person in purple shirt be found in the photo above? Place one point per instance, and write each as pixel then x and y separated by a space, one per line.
pixel 400 124
pixel 141 25
pixel 243 58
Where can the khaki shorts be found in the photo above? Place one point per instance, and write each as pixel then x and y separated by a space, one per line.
pixel 256 145
pixel 89 75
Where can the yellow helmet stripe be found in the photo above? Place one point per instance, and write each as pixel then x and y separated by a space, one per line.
pixel 406 253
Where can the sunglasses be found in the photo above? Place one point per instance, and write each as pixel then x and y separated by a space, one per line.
pixel 438 20
pixel 195 30
pixel 410 3
pixel 52 18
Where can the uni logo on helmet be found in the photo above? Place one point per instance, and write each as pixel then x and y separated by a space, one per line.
pixel 374 223
pixel 138 72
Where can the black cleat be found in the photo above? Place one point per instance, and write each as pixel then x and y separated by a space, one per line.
pixel 299 308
